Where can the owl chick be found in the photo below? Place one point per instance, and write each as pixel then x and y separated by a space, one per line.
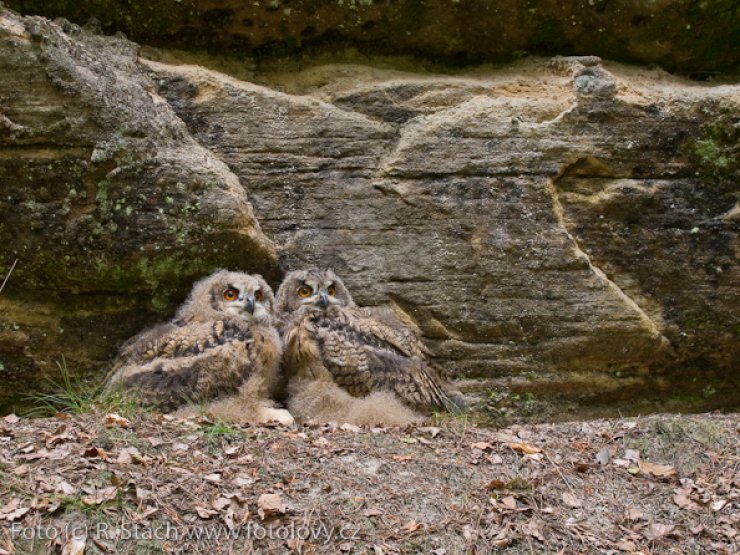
pixel 352 364
pixel 221 348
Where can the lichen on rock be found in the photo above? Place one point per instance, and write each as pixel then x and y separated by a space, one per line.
pixel 562 228
pixel 108 204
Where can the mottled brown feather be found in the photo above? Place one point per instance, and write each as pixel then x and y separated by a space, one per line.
pixel 363 355
pixel 205 352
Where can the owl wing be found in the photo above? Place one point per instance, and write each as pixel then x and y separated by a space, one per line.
pixel 364 354
pixel 171 341
pixel 172 364
pixel 383 322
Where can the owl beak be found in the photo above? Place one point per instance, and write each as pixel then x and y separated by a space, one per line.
pixel 323 301
pixel 249 307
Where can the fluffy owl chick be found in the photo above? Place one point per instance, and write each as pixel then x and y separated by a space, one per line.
pixel 221 349
pixel 352 364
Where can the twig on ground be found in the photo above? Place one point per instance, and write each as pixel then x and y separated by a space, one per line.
pixel 557 468
pixel 7 277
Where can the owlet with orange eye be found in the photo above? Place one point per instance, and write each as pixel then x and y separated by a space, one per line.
pixel 221 347
pixel 363 365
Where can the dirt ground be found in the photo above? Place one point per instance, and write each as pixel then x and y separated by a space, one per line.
pixel 100 483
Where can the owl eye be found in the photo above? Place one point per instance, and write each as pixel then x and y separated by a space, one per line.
pixel 258 295
pixel 231 294
pixel 304 291
pixel 331 290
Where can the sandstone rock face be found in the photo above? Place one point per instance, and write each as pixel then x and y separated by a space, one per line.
pixel 108 205
pixel 561 226
pixel 543 224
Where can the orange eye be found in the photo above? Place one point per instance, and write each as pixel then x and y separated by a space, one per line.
pixel 258 296
pixel 231 294
pixel 331 290
pixel 304 291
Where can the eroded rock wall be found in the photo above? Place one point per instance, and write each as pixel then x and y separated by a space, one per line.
pixel 560 226
pixel 109 206
pixel 546 225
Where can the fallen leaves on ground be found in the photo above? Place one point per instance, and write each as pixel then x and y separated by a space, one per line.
pixel 662 484
pixel 12 511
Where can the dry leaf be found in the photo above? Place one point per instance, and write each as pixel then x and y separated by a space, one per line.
pixel 626 545
pixel 682 499
pixel 142 494
pixel 21 470
pixel 95 452
pixel 468 533
pixel 571 500
pixel 11 419
pixel 657 470
pixel 411 526
pixel 146 513
pixel 228 518
pixel 534 528
pixel 295 544
pixel 321 442
pixel 657 530
pixel 604 455
pixel 509 502
pixel 132 454
pixel 525 448
pixel 214 477
pixel 221 503
pixel 100 496
pixel 242 481
pixel 402 458
pixel 633 514
pixel 482 445
pixel 204 513
pixel 75 546
pixel 269 504
pixel 113 419
pixel 12 511
pixel 372 512
pixel 66 488
pixel 60 435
